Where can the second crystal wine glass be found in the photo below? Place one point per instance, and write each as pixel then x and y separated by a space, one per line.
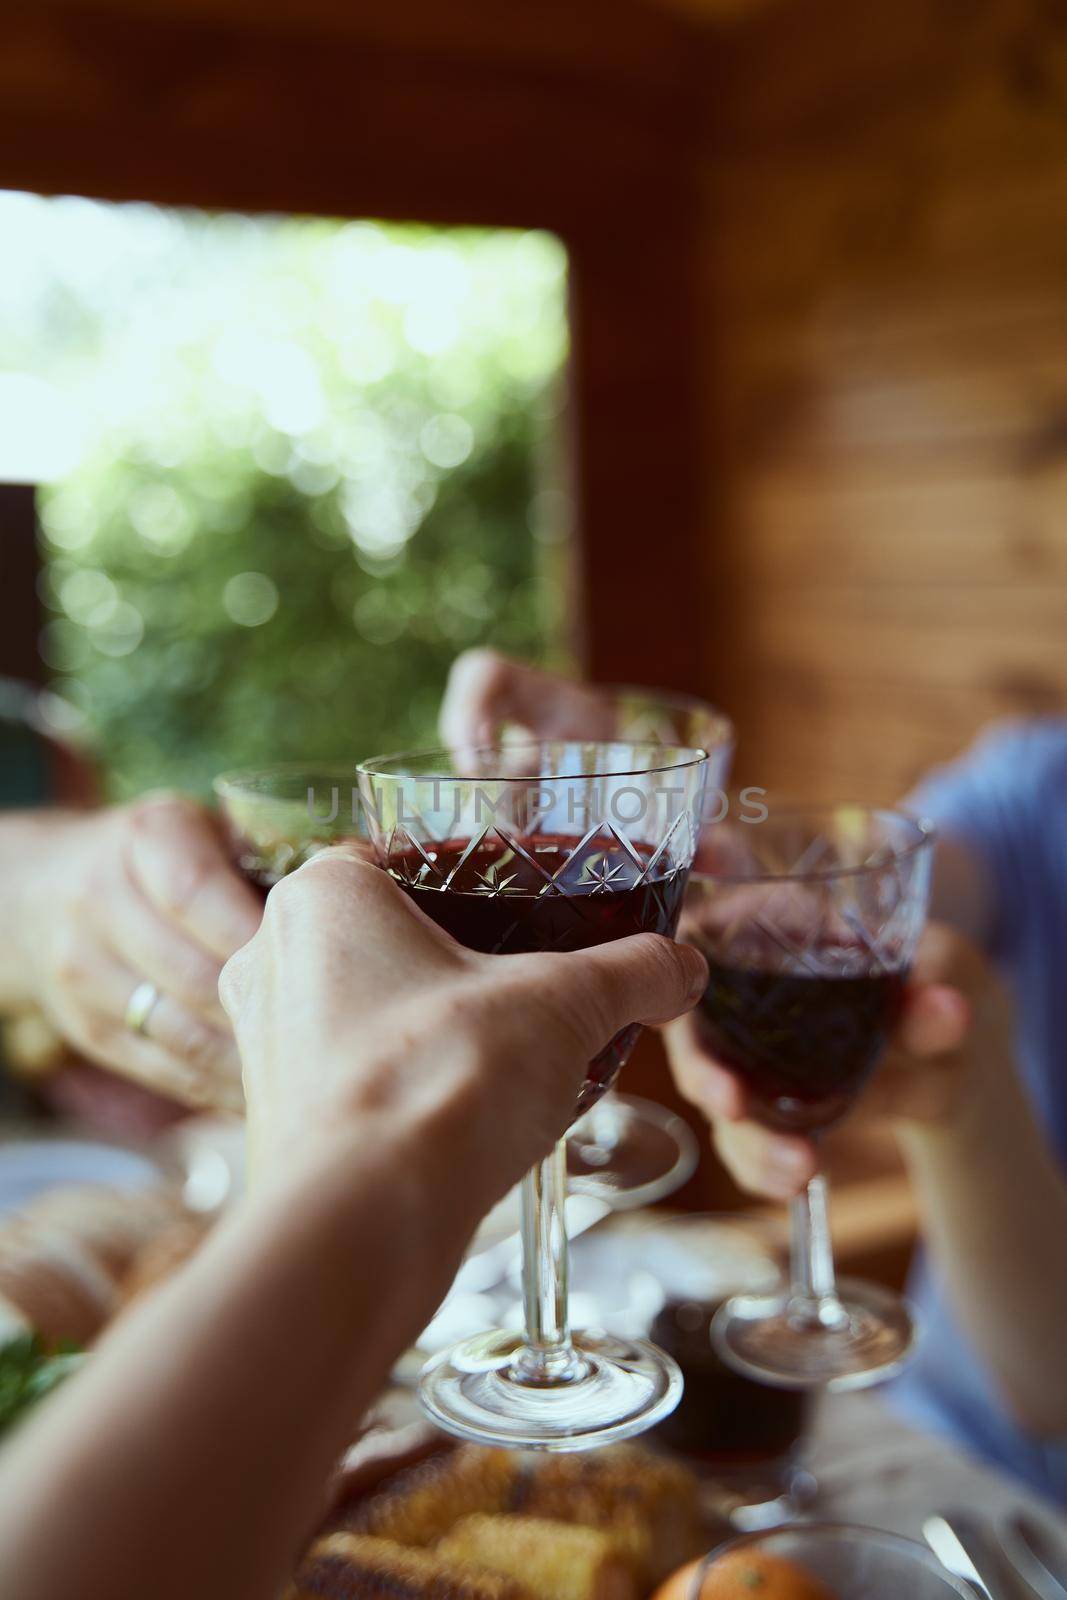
pixel 626 1150
pixel 809 920
pixel 555 845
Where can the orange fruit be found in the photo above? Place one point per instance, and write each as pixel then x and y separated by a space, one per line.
pixel 745 1575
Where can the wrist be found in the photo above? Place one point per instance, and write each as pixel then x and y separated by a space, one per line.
pixel 373 1204
pixel 432 1181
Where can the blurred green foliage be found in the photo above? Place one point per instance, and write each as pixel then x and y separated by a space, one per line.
pixel 309 462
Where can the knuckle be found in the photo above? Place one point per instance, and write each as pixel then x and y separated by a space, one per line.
pixel 184 879
pixel 195 976
pixel 97 883
pixel 160 808
pixel 662 963
pixel 96 1031
pixel 234 979
pixel 287 898
pixel 71 964
pixel 202 1048
pixel 460 1008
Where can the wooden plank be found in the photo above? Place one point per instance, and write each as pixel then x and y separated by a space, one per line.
pixel 874 751
pixel 986 532
pixel 876 216
pixel 820 73
pixel 982 636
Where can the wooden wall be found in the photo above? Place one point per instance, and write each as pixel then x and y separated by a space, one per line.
pixel 886 265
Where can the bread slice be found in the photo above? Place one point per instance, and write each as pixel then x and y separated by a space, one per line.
pixel 554 1560
pixel 344 1566
pixel 648 1504
pixel 421 1505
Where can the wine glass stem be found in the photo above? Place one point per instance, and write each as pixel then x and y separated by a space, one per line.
pixel 548 1356
pixel 813 1299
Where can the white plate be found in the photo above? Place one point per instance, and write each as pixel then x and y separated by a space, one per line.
pixel 32 1167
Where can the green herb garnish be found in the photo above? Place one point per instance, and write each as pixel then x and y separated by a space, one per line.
pixel 30 1369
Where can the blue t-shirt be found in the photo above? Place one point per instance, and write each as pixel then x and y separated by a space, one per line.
pixel 1006 801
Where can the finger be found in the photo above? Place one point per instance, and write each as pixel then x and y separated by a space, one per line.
pixel 134 931
pixel 176 857
pixel 369 906
pixel 335 925
pixel 205 1082
pixel 711 1087
pixel 474 693
pixel 936 1019
pixel 643 978
pixel 774 1165
pixel 179 1054
pixel 486 690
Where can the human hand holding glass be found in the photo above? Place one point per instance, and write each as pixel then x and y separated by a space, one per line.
pixel 553 846
pixel 919 1081
pixel 810 921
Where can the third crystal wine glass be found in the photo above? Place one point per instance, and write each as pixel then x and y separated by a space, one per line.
pixel 809 920
pixel 555 845
pixel 626 1150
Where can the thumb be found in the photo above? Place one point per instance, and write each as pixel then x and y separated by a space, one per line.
pixel 643 978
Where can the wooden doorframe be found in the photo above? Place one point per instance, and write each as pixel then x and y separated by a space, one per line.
pixel 263 111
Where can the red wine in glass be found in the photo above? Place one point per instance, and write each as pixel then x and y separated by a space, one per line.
pixel 803 1042
pixel 550 895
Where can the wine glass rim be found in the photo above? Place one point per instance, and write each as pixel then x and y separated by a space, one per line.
pixel 378 766
pixel 846 1532
pixel 925 835
pixel 245 780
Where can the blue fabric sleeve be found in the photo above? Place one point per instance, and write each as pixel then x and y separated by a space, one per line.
pixel 990 800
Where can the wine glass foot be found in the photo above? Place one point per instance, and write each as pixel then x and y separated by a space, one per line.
pixel 630 1152
pixel 759 1336
pixel 623 1386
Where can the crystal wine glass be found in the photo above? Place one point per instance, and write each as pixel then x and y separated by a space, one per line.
pixel 809 922
pixel 626 1150
pixel 555 845
pixel 276 818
